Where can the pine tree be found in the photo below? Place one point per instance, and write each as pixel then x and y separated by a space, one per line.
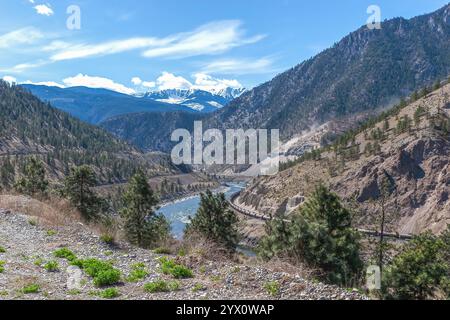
pixel 7 174
pixel 33 182
pixel 215 221
pixel 77 188
pixel 143 227
pixel 320 235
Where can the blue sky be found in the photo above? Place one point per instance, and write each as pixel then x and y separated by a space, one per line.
pixel 139 45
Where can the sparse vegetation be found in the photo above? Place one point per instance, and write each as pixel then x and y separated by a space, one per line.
pixel 170 267
pixel 272 288
pixel 2 249
pixel 2 266
pixel 110 293
pixel 138 272
pixel 65 253
pixel 162 250
pixel 31 288
pixel 161 286
pixel 51 266
pixel 103 273
pixel 107 239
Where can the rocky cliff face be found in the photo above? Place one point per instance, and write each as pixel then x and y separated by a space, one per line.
pixel 415 161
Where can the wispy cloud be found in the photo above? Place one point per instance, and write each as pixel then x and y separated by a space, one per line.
pixel 91 50
pixel 43 9
pixel 25 66
pixel 28 35
pixel 213 38
pixel 240 66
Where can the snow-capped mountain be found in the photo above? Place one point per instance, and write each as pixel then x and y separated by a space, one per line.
pixel 199 100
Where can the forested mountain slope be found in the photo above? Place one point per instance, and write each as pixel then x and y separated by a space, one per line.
pixel 365 71
pixel 30 127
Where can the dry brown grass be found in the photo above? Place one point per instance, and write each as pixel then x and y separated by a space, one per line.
pixel 52 212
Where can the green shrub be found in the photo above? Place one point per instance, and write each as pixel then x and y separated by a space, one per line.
pixel 65 253
pixel 103 273
pixel 162 250
pixel 107 238
pixel 31 288
pixel 51 266
pixel 32 222
pixel 272 288
pixel 2 266
pixel 38 262
pixel 109 293
pixel 51 233
pixel 169 266
pixel 161 286
pixel 2 250
pixel 198 287
pixel 138 272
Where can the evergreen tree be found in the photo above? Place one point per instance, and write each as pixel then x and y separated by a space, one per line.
pixel 321 235
pixel 77 188
pixel 33 182
pixel 420 270
pixel 143 227
pixel 7 174
pixel 215 221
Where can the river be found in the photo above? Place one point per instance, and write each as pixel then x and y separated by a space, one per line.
pixel 179 212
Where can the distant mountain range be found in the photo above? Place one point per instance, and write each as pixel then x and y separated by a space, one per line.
pixel 364 73
pixel 97 105
pixel 198 100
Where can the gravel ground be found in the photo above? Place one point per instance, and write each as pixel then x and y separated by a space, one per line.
pixel 27 242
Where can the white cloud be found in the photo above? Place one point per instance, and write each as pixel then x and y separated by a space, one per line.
pixel 27 35
pixel 149 84
pixel 112 47
pixel 201 82
pixel 10 79
pixel 212 38
pixel 240 66
pixel 136 81
pixel 170 81
pixel 24 66
pixel 97 82
pixel 44 9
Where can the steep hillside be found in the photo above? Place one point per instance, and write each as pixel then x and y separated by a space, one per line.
pixel 151 131
pixel 365 71
pixel 96 105
pixel 409 146
pixel 30 127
